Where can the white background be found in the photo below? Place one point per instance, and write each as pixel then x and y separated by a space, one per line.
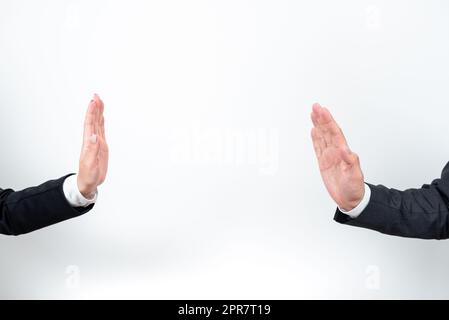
pixel 185 214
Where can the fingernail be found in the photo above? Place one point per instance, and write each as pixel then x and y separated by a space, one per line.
pixel 93 138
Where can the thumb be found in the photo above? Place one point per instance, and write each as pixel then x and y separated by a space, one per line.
pixel 349 157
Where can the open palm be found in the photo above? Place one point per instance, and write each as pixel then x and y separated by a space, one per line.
pixel 339 167
pixel 93 165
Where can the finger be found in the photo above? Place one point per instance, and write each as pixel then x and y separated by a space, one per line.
pixel 322 127
pixel 333 134
pixel 103 159
pixel 103 154
pixel 101 129
pixel 97 116
pixel 314 117
pixel 325 138
pixel 103 163
pixel 99 101
pixel 315 114
pixel 321 123
pixel 89 121
pixel 100 104
pixel 101 123
pixel 326 121
pixel 316 107
pixel 317 142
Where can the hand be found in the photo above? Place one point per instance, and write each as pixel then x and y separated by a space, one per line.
pixel 93 165
pixel 339 166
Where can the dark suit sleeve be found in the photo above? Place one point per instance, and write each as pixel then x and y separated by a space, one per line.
pixel 413 213
pixel 35 208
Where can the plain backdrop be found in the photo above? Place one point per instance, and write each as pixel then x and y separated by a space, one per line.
pixel 213 189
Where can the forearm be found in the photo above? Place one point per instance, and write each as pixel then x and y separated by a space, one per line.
pixel 36 207
pixel 413 213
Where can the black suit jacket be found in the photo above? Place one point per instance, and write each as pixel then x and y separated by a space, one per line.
pixel 413 213
pixel 35 208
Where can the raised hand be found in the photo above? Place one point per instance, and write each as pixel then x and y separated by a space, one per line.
pixel 339 166
pixel 93 164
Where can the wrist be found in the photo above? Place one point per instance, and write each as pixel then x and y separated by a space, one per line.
pixel 86 190
pixel 352 204
pixel 360 208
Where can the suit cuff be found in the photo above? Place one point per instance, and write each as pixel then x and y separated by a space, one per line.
pixel 74 196
pixel 357 211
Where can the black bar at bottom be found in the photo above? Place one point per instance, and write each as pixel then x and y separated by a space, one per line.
pixel 221 309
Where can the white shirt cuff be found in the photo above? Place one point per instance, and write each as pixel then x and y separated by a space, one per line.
pixel 73 194
pixel 357 211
